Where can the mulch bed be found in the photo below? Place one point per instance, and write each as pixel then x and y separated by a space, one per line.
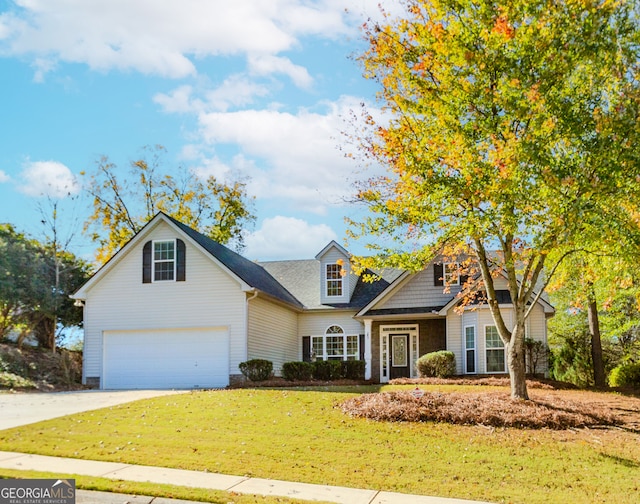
pixel 553 405
pixel 495 409
pixel 486 381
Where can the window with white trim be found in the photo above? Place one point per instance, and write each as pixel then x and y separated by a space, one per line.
pixel 451 273
pixel 494 350
pixel 334 279
pixel 164 260
pixel 470 349
pixel 336 345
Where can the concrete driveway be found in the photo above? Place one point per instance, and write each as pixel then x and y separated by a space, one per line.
pixel 25 408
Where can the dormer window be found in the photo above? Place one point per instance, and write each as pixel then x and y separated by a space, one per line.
pixel 164 264
pixel 334 280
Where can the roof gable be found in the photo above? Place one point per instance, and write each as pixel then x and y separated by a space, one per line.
pixel 249 274
pixel 330 245
pixel 302 279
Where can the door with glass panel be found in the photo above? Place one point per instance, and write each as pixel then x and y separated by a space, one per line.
pixel 400 350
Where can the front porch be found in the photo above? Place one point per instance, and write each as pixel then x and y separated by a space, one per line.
pixel 396 344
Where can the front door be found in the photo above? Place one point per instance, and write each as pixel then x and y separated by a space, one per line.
pixel 400 365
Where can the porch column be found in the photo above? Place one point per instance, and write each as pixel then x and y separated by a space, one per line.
pixel 367 348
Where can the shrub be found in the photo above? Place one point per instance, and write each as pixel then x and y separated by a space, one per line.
pixel 353 369
pixel 536 352
pixel 327 370
pixel 625 375
pixel 439 364
pixel 302 371
pixel 256 369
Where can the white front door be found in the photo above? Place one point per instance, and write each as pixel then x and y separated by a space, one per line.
pixel 398 352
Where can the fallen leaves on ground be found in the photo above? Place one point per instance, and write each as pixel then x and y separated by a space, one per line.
pixel 495 409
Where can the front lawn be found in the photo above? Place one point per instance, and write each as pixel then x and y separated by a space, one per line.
pixel 302 435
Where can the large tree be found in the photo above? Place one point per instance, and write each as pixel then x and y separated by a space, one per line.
pixel 508 127
pixel 35 283
pixel 18 269
pixel 596 327
pixel 123 203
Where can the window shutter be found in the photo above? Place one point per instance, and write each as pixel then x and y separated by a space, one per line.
pixel 146 262
pixel 362 347
pixel 181 257
pixel 438 274
pixel 463 280
pixel 306 348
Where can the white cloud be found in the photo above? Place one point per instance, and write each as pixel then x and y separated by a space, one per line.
pixel 162 37
pixel 179 101
pixel 211 166
pixel 287 238
pixel 235 91
pixel 301 163
pixel 4 177
pixel 42 67
pixel 269 64
pixel 48 178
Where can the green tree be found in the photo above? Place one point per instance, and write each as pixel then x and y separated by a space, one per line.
pixel 35 283
pixel 569 341
pixel 123 205
pixel 50 309
pixel 621 324
pixel 18 267
pixel 602 288
pixel 509 126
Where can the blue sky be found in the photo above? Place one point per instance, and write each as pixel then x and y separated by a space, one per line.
pixel 249 88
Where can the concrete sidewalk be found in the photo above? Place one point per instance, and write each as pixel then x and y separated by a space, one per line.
pixel 198 479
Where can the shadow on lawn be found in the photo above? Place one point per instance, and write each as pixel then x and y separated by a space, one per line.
pixel 631 464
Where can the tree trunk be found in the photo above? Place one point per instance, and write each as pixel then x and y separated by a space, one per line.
pixel 516 365
pixel 596 342
pixel 45 331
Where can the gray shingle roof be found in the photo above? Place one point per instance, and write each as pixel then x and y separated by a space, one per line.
pixel 302 279
pixel 296 282
pixel 250 272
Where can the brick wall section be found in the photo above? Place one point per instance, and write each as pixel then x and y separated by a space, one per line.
pixel 432 334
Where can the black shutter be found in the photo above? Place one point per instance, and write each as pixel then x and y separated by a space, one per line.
pixel 306 348
pixel 463 279
pixel 438 274
pixel 181 257
pixel 362 347
pixel 146 263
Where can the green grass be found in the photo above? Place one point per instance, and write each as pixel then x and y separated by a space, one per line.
pixel 153 489
pixel 299 435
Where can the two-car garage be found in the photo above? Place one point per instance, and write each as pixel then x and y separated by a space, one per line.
pixel 166 358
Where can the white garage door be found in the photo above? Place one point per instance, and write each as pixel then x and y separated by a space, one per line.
pixel 171 358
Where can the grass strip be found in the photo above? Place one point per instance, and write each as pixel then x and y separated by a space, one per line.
pixel 302 435
pixel 153 489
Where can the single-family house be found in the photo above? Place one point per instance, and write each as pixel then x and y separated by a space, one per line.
pixel 175 309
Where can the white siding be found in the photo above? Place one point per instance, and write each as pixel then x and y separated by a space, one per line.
pixel 272 333
pixel 419 291
pixel 315 324
pixel 480 318
pixel 332 256
pixel 120 301
pixel 537 329
pixel 455 338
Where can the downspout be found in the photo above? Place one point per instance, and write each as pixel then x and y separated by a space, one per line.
pixel 246 322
